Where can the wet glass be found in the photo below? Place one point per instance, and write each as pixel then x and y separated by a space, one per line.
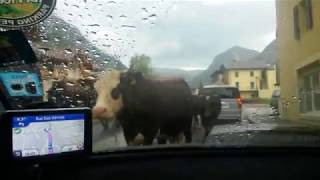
pixel 157 57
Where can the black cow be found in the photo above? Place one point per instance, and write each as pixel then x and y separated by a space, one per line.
pixel 154 108
pixel 206 109
pixel 146 106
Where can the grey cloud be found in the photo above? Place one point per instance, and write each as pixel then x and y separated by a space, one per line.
pixel 204 31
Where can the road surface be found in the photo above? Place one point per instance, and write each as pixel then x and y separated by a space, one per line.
pixel 254 116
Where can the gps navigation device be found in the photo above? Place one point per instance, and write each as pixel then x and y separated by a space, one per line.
pixel 43 133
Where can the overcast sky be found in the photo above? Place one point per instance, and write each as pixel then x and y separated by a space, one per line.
pixel 175 34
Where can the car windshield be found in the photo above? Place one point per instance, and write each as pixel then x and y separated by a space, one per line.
pixel 144 68
pixel 222 92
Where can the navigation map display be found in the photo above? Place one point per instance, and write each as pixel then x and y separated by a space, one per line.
pixel 47 134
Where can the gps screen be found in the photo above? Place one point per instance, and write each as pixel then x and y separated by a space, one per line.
pixel 47 134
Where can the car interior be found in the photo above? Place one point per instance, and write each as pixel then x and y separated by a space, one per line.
pixel 52 140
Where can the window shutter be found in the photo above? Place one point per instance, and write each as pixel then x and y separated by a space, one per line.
pixel 309 17
pixel 296 23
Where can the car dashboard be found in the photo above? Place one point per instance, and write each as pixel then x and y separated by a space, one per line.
pixel 181 163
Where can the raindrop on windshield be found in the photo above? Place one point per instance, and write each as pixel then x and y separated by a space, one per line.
pixel 91 78
pixel 153 17
pixel 70 84
pixel 78 42
pixel 109 17
pixel 79 102
pixel 144 10
pixel 87 71
pixel 68 51
pixel 44 40
pixel 43 50
pixel 94 25
pixel 145 20
pixel 111 3
pixel 123 17
pixel 129 27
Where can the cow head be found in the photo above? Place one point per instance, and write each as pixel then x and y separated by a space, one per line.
pixel 115 91
pixel 130 87
pixel 109 100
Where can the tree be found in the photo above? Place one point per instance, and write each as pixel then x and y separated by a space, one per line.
pixel 141 63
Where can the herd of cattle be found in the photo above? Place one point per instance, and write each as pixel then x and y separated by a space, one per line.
pixel 162 109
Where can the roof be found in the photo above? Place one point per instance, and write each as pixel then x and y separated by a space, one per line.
pixel 219 86
pixel 250 65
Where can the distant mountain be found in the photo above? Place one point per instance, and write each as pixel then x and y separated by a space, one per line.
pixel 62 36
pixel 268 55
pixel 176 73
pixel 233 54
pixel 226 58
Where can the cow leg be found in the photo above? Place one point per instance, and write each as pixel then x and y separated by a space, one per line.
pixel 179 139
pixel 188 136
pixel 129 135
pixel 188 133
pixel 149 135
pixel 162 139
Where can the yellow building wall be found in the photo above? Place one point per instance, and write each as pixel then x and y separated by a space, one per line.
pixel 294 54
pixel 244 80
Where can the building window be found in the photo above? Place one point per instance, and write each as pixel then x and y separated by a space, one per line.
pixel 237 85
pixel 251 73
pixel 302 18
pixel 310 93
pixel 236 74
pixel 251 85
pixel 264 80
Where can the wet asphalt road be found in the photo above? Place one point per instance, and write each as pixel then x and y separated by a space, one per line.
pixel 254 116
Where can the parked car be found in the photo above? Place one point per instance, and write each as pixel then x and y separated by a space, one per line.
pixel 274 102
pixel 231 101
